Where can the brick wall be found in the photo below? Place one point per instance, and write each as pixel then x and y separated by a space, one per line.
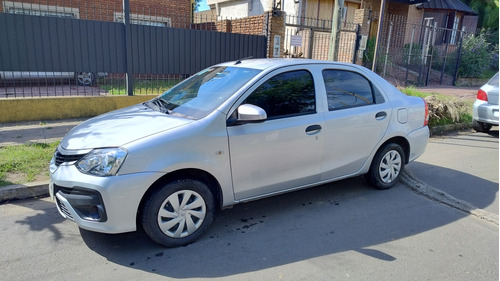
pixel 250 25
pixel 176 13
pixel 254 25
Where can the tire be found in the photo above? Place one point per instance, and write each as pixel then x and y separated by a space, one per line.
pixel 85 78
pixel 481 127
pixel 386 166
pixel 178 213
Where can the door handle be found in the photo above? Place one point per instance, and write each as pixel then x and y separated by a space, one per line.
pixel 381 115
pixel 313 129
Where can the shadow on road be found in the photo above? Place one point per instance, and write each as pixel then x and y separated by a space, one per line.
pixel 46 219
pixel 475 190
pixel 304 225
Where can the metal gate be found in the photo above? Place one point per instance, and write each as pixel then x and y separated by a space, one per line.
pixel 310 38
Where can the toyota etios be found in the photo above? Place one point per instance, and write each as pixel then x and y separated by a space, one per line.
pixel 234 132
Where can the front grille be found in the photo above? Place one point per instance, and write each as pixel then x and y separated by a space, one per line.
pixel 61 158
pixel 64 210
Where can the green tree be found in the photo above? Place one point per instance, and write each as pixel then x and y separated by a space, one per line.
pixel 487 10
pixel 196 4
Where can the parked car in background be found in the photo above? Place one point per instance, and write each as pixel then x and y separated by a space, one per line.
pixel 81 78
pixel 485 108
pixel 232 133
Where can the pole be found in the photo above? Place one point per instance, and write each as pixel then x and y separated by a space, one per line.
pixel 409 55
pixel 335 34
pixel 128 49
pixel 388 44
pixel 379 31
pixel 459 56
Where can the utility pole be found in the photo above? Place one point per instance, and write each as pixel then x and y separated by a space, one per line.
pixel 335 34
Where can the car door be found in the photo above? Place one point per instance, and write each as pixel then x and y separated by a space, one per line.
pixel 284 151
pixel 355 122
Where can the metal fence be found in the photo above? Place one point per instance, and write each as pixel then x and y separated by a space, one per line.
pixel 417 54
pixel 49 50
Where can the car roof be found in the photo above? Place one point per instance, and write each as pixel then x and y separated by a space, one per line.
pixel 274 63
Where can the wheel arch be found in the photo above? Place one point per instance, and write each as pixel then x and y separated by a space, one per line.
pixel 401 141
pixel 195 174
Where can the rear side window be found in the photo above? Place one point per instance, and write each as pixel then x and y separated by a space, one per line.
pixel 285 95
pixel 346 89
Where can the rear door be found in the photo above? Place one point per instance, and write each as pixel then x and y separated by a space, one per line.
pixel 285 151
pixel 355 122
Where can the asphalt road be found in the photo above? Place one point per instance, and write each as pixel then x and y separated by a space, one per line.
pixel 340 231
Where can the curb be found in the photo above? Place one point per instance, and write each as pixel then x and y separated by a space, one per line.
pixel 24 191
pixel 441 130
pixel 442 197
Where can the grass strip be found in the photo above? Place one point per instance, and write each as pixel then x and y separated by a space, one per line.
pixel 25 163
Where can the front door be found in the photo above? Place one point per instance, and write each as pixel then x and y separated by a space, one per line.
pixel 285 151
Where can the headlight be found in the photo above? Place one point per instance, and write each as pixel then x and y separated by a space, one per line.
pixel 102 162
pixel 52 165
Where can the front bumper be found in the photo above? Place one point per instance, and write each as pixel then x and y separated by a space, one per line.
pixel 101 204
pixel 485 113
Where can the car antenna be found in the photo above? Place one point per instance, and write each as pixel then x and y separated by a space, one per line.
pixel 239 61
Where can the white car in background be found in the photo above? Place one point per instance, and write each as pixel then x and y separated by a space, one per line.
pixel 485 108
pixel 232 133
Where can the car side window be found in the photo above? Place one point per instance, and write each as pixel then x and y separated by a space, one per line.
pixel 346 89
pixel 286 94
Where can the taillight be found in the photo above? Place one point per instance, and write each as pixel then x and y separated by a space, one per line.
pixel 481 95
pixel 426 118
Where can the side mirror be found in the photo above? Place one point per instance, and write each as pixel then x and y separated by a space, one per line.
pixel 248 113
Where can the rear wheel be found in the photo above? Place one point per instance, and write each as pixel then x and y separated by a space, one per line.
pixel 481 127
pixel 178 213
pixel 386 167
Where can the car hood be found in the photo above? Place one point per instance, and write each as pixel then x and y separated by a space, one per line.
pixel 120 127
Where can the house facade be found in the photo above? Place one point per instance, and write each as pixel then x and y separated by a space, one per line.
pixel 451 15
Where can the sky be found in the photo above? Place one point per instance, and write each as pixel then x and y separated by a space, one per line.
pixel 203 6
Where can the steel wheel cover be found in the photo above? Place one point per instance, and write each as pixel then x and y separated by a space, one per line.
pixel 390 166
pixel 182 213
pixel 85 78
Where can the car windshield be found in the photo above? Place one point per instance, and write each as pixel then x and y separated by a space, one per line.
pixel 203 92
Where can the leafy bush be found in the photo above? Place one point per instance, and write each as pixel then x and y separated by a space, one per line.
pixel 370 50
pixel 475 58
pixel 381 57
pixel 494 60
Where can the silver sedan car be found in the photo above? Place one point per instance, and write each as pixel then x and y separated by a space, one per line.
pixel 232 133
pixel 485 108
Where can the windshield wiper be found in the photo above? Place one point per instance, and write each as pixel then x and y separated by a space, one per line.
pixel 151 103
pixel 163 105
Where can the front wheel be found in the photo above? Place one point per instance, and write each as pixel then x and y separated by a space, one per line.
pixel 386 167
pixel 178 213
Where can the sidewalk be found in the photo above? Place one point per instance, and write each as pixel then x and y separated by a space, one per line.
pixel 462 93
pixel 36 131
